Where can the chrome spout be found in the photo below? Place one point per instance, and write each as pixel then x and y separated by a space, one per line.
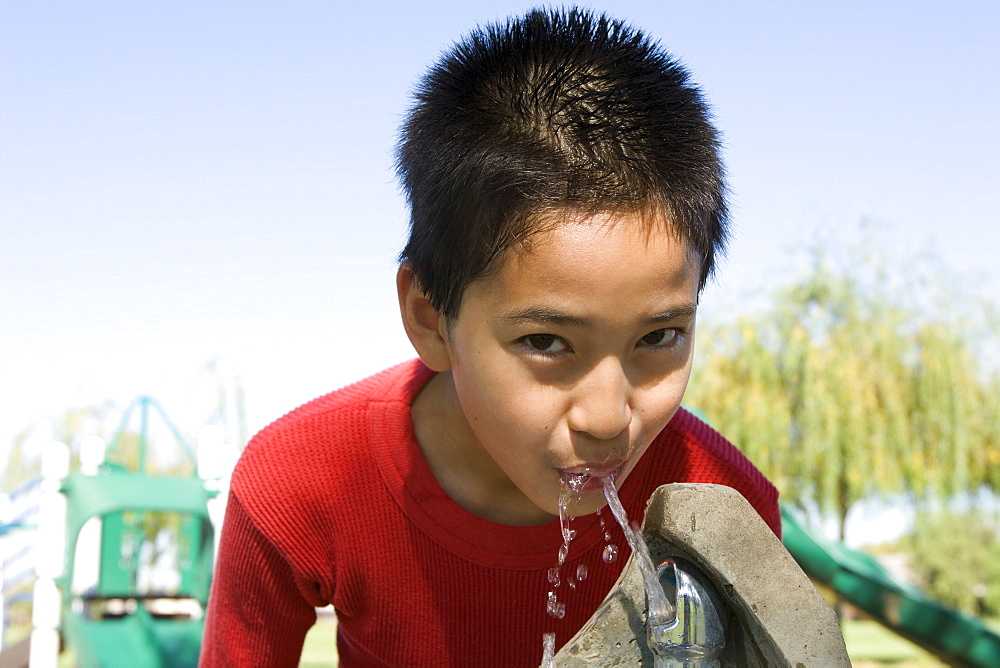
pixel 696 637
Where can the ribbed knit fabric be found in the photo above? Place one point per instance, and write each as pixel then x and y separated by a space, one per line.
pixel 334 503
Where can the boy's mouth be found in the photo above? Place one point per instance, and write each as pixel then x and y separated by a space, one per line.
pixel 587 479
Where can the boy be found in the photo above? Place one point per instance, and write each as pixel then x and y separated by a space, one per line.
pixel 567 204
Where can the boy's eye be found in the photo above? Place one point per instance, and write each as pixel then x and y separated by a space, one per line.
pixel 660 337
pixel 546 343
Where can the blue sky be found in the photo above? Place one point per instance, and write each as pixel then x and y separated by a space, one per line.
pixel 187 181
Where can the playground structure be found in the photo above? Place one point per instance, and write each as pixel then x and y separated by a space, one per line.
pixel 124 556
pixel 124 560
pixel 19 522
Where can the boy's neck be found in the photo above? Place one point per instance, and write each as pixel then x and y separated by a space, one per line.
pixel 465 471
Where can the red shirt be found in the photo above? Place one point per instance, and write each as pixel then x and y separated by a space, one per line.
pixel 335 504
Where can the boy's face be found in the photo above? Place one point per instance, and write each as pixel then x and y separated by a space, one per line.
pixel 568 360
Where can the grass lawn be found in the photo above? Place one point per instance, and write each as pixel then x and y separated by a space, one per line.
pixel 871 644
pixel 320 649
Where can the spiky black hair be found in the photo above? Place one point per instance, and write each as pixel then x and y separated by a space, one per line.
pixel 560 110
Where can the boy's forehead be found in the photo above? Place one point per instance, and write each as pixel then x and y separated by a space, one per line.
pixel 552 229
pixel 588 265
pixel 609 246
pixel 591 228
pixel 600 280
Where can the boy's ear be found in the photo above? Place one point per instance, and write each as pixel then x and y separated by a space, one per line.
pixel 425 326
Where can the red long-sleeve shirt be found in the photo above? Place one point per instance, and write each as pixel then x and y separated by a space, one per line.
pixel 335 504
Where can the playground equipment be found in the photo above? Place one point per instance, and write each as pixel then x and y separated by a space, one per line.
pixel 125 556
pixel 18 529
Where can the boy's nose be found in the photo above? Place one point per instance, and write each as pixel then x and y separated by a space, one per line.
pixel 601 403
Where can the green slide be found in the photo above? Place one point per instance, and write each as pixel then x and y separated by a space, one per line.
pixel 898 605
pixel 134 640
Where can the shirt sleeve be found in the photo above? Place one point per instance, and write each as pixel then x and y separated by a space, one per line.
pixel 257 613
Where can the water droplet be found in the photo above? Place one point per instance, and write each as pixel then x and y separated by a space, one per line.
pixel 607 537
pixel 554 607
pixel 610 553
pixel 581 572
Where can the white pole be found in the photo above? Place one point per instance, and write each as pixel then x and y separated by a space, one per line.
pixel 216 459
pixel 6 514
pixel 45 613
pixel 46 605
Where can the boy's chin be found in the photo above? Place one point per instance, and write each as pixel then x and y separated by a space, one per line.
pixel 587 505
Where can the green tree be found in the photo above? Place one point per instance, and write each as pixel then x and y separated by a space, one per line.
pixel 956 557
pixel 852 385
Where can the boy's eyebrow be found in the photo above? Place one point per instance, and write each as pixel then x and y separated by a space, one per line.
pixel 544 316
pixel 549 316
pixel 682 312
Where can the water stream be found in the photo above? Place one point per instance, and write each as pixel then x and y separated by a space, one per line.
pixel 660 611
